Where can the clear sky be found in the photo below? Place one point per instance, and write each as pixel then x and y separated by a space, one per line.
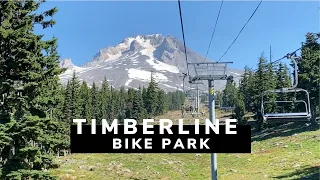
pixel 85 27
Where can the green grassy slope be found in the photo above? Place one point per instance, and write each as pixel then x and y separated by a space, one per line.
pixel 286 152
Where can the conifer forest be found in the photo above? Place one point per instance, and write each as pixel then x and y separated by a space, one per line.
pixel 36 110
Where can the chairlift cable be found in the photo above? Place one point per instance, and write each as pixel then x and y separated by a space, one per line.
pixel 214 29
pixel 241 31
pixel 275 61
pixel 184 42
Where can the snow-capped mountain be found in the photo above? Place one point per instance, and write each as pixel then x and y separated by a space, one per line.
pixel 131 62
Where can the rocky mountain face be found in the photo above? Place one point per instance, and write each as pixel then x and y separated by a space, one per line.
pixel 131 63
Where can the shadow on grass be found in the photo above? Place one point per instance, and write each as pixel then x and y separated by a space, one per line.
pixel 306 173
pixel 283 130
pixel 225 116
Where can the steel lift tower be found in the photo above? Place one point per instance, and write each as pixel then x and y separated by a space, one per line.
pixel 210 71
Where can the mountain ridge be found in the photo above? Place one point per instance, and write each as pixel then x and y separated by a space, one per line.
pixel 131 62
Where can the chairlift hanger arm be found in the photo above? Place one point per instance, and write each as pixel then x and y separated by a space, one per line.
pixel 293 56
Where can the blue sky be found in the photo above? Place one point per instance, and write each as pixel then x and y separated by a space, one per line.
pixel 85 27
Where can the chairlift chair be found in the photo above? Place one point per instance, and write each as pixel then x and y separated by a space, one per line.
pixel 286 116
pixel 292 116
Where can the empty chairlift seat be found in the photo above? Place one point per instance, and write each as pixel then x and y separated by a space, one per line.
pixel 288 116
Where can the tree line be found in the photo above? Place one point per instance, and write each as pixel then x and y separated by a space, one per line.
pixel 106 102
pixel 36 110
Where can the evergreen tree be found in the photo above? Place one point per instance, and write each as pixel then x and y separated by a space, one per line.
pixel 104 99
pixel 129 102
pixel 144 97
pixel 161 106
pixel 229 94
pixel 94 102
pixel 309 76
pixel 111 104
pixel 57 111
pixel 260 82
pixel 177 100
pixel 138 112
pixel 283 78
pixel 246 88
pixel 121 104
pixel 170 101
pixel 30 149
pixel 151 97
pixel 239 108
pixel 271 84
pixel 85 103
pixel 29 69
pixel 75 98
pixel 66 110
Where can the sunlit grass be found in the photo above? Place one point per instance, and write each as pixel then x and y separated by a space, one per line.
pixel 278 153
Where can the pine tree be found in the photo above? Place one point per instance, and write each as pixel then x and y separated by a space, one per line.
pixel 271 84
pixel 129 102
pixel 151 97
pixel 308 75
pixel 31 149
pixel 283 79
pixel 66 110
pixel 121 104
pixel 144 97
pixel 161 104
pixel 94 102
pixel 170 100
pixel 229 95
pixel 138 112
pixel 5 140
pixel 260 82
pixel 246 88
pixel 85 102
pixel 111 105
pixel 104 99
pixel 239 108
pixel 29 69
pixel 58 110
pixel 75 100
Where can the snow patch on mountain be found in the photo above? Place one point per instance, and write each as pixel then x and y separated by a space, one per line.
pixel 128 82
pixel 166 85
pixel 145 75
pixel 108 67
pixel 131 62
pixel 160 66
pixel 235 73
